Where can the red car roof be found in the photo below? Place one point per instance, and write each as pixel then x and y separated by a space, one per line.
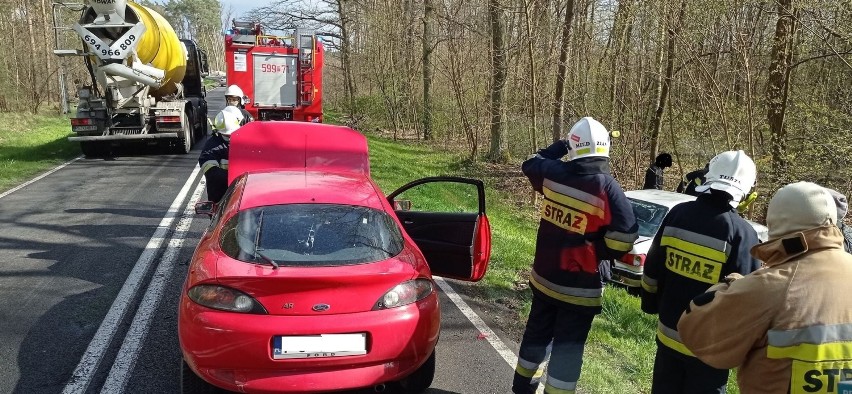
pixel 320 187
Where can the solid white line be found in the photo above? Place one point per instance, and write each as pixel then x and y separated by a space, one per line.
pixel 88 365
pixel 480 325
pixel 36 179
pixel 127 355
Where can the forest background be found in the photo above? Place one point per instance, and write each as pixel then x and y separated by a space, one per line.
pixel 498 79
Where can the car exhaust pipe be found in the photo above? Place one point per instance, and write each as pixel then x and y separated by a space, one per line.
pixel 380 388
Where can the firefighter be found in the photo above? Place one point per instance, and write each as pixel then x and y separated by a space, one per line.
pixel 692 180
pixel 654 174
pixel 842 207
pixel 585 218
pixel 698 244
pixel 788 326
pixel 234 97
pixel 214 156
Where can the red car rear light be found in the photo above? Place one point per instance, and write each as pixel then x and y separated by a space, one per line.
pixel 225 299
pixel 405 293
pixel 81 121
pixel 636 260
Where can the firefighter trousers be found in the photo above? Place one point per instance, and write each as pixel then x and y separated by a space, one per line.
pixel 217 183
pixel 557 330
pixel 676 373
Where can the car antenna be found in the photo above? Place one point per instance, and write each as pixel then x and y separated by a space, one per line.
pixel 257 248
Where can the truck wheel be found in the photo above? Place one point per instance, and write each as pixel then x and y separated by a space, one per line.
pixel 200 127
pixel 94 149
pixel 184 141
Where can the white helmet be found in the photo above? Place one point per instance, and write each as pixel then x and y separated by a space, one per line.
pixel 234 90
pixel 588 138
pixel 228 120
pixel 732 172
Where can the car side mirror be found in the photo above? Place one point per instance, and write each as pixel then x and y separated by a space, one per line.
pixel 205 208
pixel 402 205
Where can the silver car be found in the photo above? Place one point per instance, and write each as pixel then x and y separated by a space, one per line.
pixel 650 207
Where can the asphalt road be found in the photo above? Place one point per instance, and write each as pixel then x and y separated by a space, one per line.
pixel 92 258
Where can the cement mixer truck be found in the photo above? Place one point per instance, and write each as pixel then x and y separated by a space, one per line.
pixel 146 84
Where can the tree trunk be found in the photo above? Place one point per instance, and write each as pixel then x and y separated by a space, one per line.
pixel 533 91
pixel 428 15
pixel 497 153
pixel 562 70
pixel 346 57
pixel 665 83
pixel 777 87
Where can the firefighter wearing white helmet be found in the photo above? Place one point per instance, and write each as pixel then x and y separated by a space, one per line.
pixel 214 157
pixel 588 138
pixel 585 218
pixel 234 97
pixel 698 244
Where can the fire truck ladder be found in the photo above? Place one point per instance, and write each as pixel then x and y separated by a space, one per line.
pixel 307 54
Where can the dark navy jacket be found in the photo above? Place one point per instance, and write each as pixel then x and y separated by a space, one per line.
pixel 698 244
pixel 214 154
pixel 585 218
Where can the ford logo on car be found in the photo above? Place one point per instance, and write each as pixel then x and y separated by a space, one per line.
pixel 321 307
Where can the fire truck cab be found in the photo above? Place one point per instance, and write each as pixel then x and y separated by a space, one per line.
pixel 281 75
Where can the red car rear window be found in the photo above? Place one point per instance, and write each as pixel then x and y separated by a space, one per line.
pixel 299 235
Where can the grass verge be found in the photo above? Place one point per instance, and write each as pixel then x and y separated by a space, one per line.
pixel 32 144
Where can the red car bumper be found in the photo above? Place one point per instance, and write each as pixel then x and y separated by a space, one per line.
pixel 234 350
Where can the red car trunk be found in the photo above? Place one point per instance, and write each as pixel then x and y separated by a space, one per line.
pixel 312 291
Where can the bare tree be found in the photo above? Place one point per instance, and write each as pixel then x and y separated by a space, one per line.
pixel 778 86
pixel 497 152
pixel 665 82
pixel 561 72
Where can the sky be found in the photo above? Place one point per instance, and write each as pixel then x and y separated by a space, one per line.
pixel 241 6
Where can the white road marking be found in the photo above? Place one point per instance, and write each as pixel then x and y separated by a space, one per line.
pixel 36 179
pixel 82 376
pixel 480 325
pixel 127 355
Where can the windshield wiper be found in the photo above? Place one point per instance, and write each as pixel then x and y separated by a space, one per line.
pixel 257 252
pixel 257 248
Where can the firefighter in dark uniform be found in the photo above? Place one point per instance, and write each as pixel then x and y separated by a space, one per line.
pixel 214 156
pixel 692 180
pixel 698 244
pixel 585 218
pixel 234 97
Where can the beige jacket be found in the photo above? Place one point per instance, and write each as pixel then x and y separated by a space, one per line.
pixel 787 326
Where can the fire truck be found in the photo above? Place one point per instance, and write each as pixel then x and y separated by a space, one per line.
pixel 280 75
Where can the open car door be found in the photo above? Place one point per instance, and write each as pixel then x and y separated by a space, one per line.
pixel 445 216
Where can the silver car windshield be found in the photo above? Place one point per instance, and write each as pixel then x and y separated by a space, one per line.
pixel 311 235
pixel 649 216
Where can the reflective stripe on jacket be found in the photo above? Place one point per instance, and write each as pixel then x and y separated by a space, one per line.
pixel 585 218
pixel 214 154
pixel 787 326
pixel 698 244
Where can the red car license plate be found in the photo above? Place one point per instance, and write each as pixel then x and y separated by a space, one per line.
pixel 315 346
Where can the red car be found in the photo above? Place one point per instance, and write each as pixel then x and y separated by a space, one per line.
pixel 310 279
